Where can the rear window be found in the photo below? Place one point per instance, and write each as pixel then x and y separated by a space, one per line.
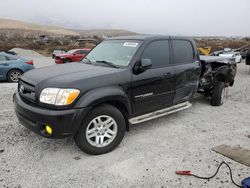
pixel 84 52
pixel 183 51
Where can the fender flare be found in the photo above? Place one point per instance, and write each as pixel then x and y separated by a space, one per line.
pixel 225 74
pixel 102 95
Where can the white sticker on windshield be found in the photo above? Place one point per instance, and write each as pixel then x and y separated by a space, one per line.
pixel 131 44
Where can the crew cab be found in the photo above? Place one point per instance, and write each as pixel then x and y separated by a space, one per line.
pixel 74 55
pixel 122 81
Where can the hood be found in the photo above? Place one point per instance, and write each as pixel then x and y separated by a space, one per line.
pixel 62 75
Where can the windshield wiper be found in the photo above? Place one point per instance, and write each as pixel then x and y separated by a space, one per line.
pixel 108 63
pixel 89 61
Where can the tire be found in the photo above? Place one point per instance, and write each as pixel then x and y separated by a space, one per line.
pixel 13 75
pixel 67 60
pixel 207 92
pixel 217 98
pixel 90 123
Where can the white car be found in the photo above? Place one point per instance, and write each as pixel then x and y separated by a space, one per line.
pixel 231 53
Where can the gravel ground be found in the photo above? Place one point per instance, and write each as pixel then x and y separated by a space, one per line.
pixel 148 156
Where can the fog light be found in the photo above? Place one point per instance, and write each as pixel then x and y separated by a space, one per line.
pixel 48 129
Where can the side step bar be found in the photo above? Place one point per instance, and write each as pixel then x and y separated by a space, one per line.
pixel 160 113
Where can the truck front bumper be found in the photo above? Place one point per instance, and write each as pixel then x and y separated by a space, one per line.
pixel 63 123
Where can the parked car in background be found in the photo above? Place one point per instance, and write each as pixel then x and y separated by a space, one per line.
pixel 12 67
pixel 57 52
pixel 229 53
pixel 72 56
pixel 244 53
pixel 248 57
pixel 235 55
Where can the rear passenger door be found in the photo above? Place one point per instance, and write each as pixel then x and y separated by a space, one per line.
pixel 187 69
pixel 154 88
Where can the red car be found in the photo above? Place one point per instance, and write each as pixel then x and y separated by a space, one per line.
pixel 72 56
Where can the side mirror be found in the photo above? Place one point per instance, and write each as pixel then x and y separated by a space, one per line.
pixel 142 66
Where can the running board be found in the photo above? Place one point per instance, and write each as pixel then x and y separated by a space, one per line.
pixel 160 113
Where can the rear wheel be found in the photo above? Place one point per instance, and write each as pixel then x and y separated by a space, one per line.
pixel 14 75
pixel 102 130
pixel 218 95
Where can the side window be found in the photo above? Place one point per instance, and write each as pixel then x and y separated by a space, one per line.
pixel 158 53
pixel 82 52
pixel 183 51
pixel 10 58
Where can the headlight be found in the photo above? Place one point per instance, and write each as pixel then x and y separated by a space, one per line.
pixel 59 97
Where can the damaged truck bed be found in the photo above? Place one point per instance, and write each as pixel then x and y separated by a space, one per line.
pixel 217 73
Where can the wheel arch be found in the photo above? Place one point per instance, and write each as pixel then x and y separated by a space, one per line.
pixel 224 74
pixel 113 96
pixel 67 59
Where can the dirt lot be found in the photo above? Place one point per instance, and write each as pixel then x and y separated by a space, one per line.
pixel 148 156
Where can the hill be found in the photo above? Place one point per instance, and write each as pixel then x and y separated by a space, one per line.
pixel 105 32
pixel 14 25
pixel 20 27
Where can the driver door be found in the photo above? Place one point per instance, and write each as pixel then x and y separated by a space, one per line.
pixel 154 89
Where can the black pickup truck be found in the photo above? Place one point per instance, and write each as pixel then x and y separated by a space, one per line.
pixel 122 81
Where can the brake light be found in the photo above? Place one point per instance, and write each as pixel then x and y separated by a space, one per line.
pixel 30 62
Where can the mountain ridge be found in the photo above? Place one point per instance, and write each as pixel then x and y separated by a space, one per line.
pixel 16 25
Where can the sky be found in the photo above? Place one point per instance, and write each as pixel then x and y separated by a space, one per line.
pixel 170 17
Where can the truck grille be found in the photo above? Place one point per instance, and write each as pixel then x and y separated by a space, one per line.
pixel 27 91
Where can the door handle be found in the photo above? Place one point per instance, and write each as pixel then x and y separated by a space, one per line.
pixel 168 74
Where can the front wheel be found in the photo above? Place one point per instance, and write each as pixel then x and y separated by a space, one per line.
pixel 102 130
pixel 218 95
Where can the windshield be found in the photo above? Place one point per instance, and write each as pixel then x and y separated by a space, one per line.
pixel 116 52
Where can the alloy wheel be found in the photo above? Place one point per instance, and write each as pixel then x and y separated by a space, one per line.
pixel 101 131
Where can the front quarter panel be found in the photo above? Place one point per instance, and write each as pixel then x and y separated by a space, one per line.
pixel 102 95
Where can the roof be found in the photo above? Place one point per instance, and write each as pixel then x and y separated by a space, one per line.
pixel 147 37
pixel 80 49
